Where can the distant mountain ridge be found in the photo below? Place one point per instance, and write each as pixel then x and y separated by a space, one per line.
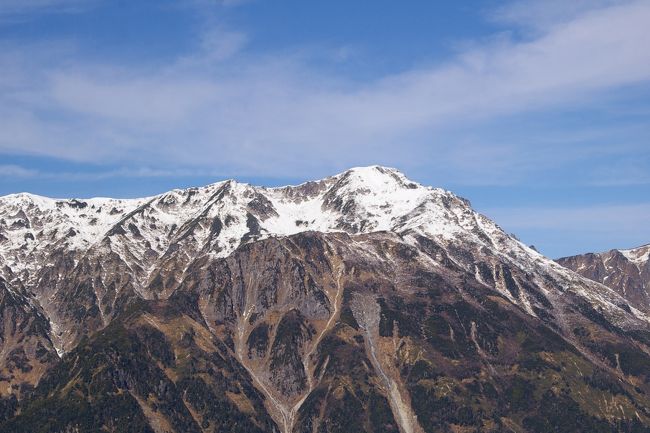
pixel 626 271
pixel 360 302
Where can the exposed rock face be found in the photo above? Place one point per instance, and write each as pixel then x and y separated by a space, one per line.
pixel 362 302
pixel 27 350
pixel 626 271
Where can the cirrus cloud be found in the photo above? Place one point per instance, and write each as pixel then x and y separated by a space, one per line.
pixel 223 108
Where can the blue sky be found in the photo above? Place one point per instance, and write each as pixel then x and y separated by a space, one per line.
pixel 538 112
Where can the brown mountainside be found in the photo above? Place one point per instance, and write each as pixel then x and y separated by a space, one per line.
pixel 360 303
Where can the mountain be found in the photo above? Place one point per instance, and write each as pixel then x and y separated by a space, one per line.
pixel 363 302
pixel 625 271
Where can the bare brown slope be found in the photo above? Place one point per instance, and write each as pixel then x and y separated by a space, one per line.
pixel 337 333
pixel 617 270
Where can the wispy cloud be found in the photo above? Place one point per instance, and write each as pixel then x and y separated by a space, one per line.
pixel 22 7
pixel 534 14
pixel 14 171
pixel 632 170
pixel 224 108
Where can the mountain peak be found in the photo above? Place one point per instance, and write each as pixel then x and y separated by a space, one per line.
pixel 363 280
pixel 222 216
pixel 378 177
pixel 372 170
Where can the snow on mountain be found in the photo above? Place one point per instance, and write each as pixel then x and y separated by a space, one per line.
pixel 217 218
pixel 639 256
pixel 31 225
pixel 625 271
pixel 360 200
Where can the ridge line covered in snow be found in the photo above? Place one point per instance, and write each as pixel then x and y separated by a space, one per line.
pixel 217 218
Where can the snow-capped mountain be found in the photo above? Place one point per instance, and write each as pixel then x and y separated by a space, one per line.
pixel 220 217
pixel 626 271
pixel 305 302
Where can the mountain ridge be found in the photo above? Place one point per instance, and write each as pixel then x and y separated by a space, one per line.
pixel 305 302
pixel 627 271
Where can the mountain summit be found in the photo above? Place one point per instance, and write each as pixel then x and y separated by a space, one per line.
pixel 360 302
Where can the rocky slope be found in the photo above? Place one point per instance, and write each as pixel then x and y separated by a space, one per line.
pixel 361 302
pixel 625 271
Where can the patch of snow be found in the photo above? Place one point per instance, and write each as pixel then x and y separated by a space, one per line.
pixel 360 200
pixel 639 256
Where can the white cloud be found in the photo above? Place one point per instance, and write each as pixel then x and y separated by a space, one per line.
pixel 150 102
pixel 219 44
pixel 632 170
pixel 17 171
pixel 233 2
pixel 20 7
pixel 10 170
pixel 536 14
pixel 225 109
